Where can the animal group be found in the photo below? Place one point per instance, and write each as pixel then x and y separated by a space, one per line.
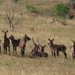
pixel 38 49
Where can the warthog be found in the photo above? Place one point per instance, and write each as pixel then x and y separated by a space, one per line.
pixel 35 51
pixel 15 43
pixel 44 54
pixel 55 49
pixel 22 44
pixel 5 42
pixel 72 48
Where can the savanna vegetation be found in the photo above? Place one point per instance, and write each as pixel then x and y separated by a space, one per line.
pixel 19 19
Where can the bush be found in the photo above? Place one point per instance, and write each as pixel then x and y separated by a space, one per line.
pixel 32 9
pixel 1 2
pixel 15 1
pixel 62 10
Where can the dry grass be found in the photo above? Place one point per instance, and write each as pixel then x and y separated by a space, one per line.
pixel 43 28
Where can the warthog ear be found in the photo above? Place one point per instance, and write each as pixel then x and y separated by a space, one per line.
pixel 44 45
pixel 49 39
pixel 2 31
pixel 72 41
pixel 25 35
pixel 6 31
pixel 53 40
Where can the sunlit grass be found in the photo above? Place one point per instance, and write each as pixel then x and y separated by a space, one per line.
pixel 37 27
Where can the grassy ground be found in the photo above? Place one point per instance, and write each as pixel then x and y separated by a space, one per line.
pixel 43 28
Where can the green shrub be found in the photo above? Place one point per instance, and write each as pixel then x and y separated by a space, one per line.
pixel 1 2
pixel 61 10
pixel 31 9
pixel 15 1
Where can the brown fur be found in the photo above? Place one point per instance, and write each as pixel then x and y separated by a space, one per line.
pixel 55 49
pixel 44 54
pixel 15 43
pixel 35 51
pixel 22 44
pixel 0 46
pixel 5 42
pixel 72 48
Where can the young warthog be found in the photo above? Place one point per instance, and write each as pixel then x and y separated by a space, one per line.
pixel 44 54
pixel 35 51
pixel 72 48
pixel 22 44
pixel 55 49
pixel 5 42
pixel 15 43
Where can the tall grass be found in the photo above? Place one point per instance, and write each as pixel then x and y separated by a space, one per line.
pixel 43 28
